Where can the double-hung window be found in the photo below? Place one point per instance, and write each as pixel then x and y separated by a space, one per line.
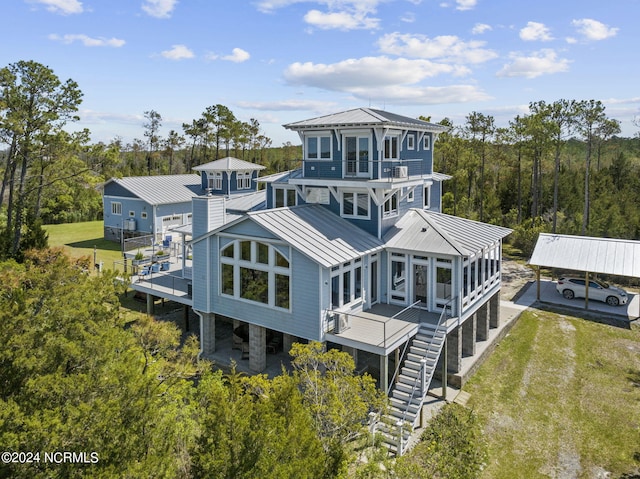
pixel 355 204
pixel 244 180
pixel 116 208
pixel 391 206
pixel 284 197
pixel 391 147
pixel 318 146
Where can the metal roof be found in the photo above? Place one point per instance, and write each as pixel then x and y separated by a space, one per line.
pixel 581 253
pixel 282 177
pixel 228 164
pixel 360 117
pixel 437 233
pixel 162 190
pixel 317 233
pixel 249 202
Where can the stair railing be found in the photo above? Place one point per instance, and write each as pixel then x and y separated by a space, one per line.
pixel 404 350
pixel 417 384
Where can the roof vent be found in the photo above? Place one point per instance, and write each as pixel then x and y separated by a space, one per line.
pixel 424 229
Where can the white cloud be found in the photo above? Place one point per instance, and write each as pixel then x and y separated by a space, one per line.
pixel 238 55
pixel 64 7
pixel 288 105
pixel 466 4
pixel 480 28
pixel 593 29
pixel 447 48
pixel 369 72
pixel 535 31
pixel 178 52
pixel 341 20
pixel 539 63
pixel 425 95
pixel 408 17
pixel 159 8
pixel 88 41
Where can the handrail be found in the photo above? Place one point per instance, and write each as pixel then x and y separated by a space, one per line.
pixel 404 350
pixel 418 379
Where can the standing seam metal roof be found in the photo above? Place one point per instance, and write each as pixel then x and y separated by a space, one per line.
pixel 427 231
pixel 162 190
pixel 365 117
pixel 317 233
pixel 228 164
pixel 582 253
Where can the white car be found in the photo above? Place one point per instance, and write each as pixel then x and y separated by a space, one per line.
pixel 598 290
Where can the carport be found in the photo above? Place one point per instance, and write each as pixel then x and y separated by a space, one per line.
pixel 614 256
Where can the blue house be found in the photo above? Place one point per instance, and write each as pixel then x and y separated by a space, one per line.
pixel 352 250
pixel 155 205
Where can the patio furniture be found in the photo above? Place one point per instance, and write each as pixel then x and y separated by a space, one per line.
pixel 164 266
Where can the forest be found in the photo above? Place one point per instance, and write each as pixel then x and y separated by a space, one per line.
pixel 560 168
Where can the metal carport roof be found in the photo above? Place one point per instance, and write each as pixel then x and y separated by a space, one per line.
pixel 581 253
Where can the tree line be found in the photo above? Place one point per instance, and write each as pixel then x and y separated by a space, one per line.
pixel 560 168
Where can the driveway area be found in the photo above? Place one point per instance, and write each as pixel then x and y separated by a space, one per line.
pixel 549 294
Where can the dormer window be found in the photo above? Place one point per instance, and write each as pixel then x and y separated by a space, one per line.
pixel 391 147
pixel 215 181
pixel 244 180
pixel 318 146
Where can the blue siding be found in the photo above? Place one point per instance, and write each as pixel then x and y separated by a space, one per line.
pixel 436 197
pixel 248 228
pixel 128 204
pixel 115 189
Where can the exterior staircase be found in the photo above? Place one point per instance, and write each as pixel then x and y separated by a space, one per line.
pixel 410 390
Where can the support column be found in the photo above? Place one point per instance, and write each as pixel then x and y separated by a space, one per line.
pixel 469 328
pixel 353 352
pixel 257 348
pixel 494 310
pixel 482 324
pixel 454 350
pixel 287 342
pixel 208 333
pixel 185 317
pixel 150 305
pixel 384 373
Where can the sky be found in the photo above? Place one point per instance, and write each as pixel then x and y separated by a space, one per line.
pixel 280 61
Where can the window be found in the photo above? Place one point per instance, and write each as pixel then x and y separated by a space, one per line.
pixel 143 215
pixel 391 206
pixel 427 197
pixel 356 154
pixel 398 277
pixel 116 208
pixel 426 142
pixel 355 205
pixel 346 283
pixel 391 144
pixel 132 214
pixel 244 180
pixel 411 142
pixel 215 181
pixel 255 271
pixel 284 197
pixel 410 196
pixel 318 147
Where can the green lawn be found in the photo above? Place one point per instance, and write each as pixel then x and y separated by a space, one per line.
pixel 80 239
pixel 560 397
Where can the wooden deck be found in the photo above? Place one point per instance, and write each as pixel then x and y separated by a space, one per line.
pixel 169 285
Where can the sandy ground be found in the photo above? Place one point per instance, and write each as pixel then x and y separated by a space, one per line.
pixel 514 276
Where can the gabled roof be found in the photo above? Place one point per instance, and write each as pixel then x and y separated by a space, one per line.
pixel 256 200
pixel 431 232
pixel 317 233
pixel 583 253
pixel 365 117
pixel 228 164
pixel 161 190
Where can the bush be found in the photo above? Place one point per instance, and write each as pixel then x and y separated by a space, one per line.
pixel 452 445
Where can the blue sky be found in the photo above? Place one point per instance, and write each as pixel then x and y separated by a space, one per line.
pixel 280 61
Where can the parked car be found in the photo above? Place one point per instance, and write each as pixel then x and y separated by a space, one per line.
pixel 598 290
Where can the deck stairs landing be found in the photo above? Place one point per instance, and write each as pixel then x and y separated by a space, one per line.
pixel 410 389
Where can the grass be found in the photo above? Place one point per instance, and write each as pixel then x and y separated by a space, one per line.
pixel 80 239
pixel 560 397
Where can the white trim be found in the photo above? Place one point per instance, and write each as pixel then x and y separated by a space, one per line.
pixel 426 142
pixel 411 142
pixel 318 135
pixel 356 193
